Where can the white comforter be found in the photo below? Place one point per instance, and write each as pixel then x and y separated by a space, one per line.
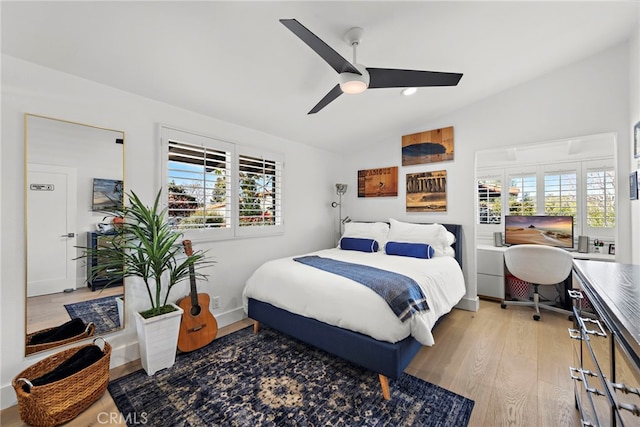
pixel 341 302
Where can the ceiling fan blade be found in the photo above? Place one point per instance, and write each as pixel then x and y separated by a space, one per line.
pixel 388 77
pixel 333 94
pixel 325 51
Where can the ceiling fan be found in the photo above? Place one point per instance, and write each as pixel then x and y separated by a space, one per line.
pixel 356 78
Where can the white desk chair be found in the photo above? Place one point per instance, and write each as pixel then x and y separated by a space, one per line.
pixel 539 265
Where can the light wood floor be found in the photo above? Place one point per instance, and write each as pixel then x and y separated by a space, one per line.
pixel 514 368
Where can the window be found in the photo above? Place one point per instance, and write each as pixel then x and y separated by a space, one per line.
pixel 601 198
pixel 573 176
pixel 211 190
pixel 197 186
pixel 260 191
pixel 560 193
pixel 489 201
pixel 522 195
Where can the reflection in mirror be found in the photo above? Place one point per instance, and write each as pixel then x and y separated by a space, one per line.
pixel 62 160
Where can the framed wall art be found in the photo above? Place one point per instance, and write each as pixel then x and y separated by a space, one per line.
pixel 381 182
pixel 427 191
pixel 633 185
pixel 427 147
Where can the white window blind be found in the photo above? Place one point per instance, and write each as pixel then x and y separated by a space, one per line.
pixel 522 194
pixel 198 190
pixel 489 200
pixel 260 191
pixel 560 193
pixel 601 199
pixel 218 190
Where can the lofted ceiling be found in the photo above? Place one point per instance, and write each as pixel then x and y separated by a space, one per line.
pixel 234 61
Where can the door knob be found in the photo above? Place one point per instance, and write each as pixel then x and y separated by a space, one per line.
pixel 69 235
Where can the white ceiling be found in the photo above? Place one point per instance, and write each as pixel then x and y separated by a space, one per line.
pixel 235 61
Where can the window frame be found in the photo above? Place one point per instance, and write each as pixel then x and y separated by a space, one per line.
pixel 277 228
pixel 233 231
pixel 581 168
pixel 599 165
pixel 512 173
pixel 490 175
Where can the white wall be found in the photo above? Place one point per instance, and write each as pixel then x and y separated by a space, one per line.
pixel 308 192
pixel 588 97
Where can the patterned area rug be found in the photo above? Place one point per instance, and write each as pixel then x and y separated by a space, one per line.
pixel 103 312
pixel 269 379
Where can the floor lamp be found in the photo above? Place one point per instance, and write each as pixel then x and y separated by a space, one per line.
pixel 341 189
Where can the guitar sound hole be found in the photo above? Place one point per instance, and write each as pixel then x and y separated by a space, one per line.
pixel 195 310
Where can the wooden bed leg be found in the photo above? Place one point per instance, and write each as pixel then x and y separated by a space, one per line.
pixel 384 382
pixel 256 326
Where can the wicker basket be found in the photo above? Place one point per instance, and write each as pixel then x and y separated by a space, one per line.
pixel 34 348
pixel 60 401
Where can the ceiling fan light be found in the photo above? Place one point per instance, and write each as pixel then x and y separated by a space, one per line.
pixel 353 85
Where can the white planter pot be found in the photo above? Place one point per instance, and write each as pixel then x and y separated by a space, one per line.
pixel 158 340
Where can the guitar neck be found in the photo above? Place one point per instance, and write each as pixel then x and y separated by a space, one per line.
pixel 194 290
pixel 188 250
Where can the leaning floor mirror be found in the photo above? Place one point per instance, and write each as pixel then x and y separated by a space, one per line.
pixel 72 172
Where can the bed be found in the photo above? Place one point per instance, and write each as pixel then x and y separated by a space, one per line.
pixel 349 320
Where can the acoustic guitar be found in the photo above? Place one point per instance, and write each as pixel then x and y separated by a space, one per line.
pixel 198 327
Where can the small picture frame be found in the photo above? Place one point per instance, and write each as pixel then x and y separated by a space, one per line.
pixel 636 140
pixel 612 249
pixel 633 185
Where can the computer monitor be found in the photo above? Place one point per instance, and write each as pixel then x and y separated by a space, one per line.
pixel 539 230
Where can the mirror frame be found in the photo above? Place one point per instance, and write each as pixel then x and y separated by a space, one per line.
pixel 27 117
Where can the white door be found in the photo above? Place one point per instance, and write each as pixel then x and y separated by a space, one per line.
pixel 51 235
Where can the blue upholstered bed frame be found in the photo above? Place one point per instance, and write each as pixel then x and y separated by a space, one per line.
pixel 387 359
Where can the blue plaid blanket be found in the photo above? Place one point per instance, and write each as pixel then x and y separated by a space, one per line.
pixel 402 293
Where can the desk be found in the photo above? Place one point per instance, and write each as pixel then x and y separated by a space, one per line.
pixel 491 269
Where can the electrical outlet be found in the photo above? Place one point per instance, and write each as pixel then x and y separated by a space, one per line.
pixel 216 302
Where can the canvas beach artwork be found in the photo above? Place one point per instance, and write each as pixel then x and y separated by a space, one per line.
pixel 427 147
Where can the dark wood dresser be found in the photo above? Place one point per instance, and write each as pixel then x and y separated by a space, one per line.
pixel 606 335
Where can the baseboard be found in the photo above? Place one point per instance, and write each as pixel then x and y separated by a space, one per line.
pixel 229 317
pixel 7 397
pixel 469 304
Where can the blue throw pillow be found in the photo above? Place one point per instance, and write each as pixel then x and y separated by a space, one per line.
pixel 415 250
pixel 357 244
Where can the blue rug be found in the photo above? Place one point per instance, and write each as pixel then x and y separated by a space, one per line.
pixel 269 379
pixel 103 312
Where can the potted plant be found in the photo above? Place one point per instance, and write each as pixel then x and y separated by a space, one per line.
pixel 146 247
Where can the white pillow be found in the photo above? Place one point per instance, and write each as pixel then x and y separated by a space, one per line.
pixel 368 230
pixel 435 235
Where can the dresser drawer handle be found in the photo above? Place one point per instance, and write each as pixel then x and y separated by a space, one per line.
pixel 600 333
pixel 575 334
pixel 574 294
pixel 584 373
pixel 634 409
pixel 572 371
pixel 626 390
